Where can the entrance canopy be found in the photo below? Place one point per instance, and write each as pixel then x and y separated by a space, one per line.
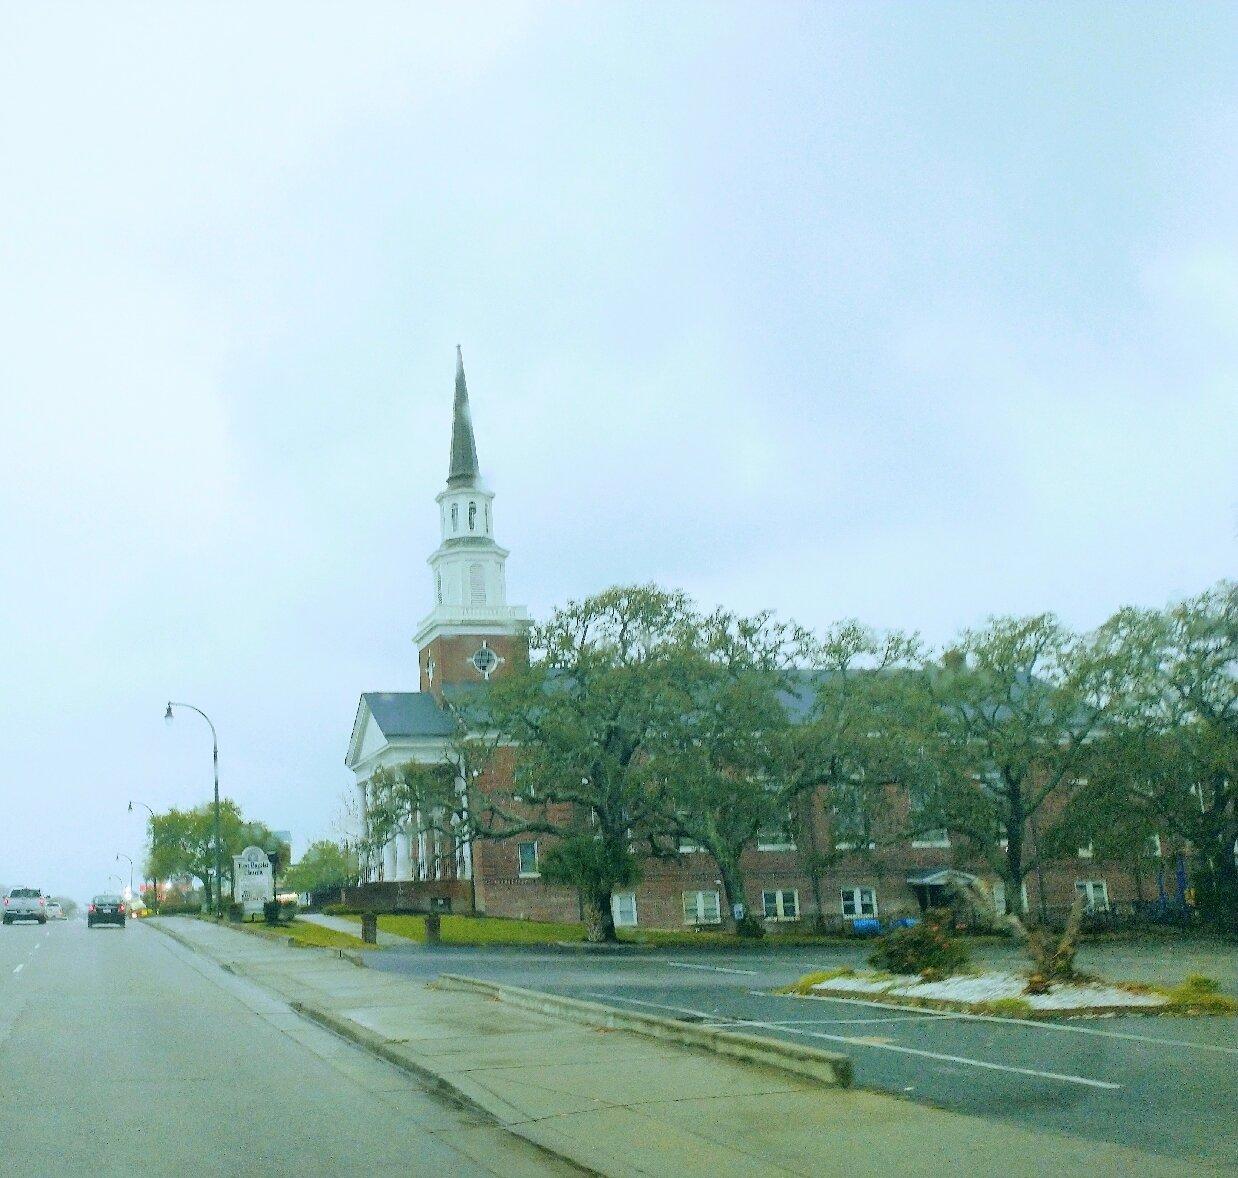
pixel 940 878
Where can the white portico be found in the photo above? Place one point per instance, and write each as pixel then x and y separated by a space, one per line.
pixel 391 729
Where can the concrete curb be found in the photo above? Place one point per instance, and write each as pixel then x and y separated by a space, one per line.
pixel 830 1067
pixel 353 955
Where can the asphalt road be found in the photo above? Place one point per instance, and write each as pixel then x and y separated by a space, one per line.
pixel 123 1054
pixel 1166 1085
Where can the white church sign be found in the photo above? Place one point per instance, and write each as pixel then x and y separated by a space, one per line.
pixel 255 882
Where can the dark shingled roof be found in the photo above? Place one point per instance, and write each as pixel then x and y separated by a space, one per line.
pixel 408 713
pixel 463 471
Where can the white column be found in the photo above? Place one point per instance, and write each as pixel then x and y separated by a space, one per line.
pixel 401 856
pixel 389 860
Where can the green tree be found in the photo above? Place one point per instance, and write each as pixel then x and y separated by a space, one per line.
pixel 182 843
pixel 1172 752
pixel 867 728
pixel 1018 702
pixel 719 759
pixel 581 723
pixel 325 864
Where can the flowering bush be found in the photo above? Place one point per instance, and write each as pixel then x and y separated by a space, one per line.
pixel 926 949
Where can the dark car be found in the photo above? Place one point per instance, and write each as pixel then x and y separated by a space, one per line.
pixel 105 910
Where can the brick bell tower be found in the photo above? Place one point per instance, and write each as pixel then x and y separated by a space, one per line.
pixel 472 634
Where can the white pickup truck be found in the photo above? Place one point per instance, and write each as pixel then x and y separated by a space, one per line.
pixel 25 904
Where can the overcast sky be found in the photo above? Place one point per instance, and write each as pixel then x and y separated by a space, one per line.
pixel 913 313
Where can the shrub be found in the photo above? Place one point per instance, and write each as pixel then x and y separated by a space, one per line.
pixel 1200 984
pixel 925 949
pixel 340 910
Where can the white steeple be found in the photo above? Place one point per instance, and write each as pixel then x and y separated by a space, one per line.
pixel 469 583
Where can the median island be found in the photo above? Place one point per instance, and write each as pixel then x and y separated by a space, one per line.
pixel 926 966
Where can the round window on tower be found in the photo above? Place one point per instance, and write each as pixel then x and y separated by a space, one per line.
pixel 485 661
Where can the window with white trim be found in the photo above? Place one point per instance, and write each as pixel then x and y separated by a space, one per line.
pixel 1095 894
pixel 781 905
pixel 526 860
pixel 858 902
pixel 623 909
pixel 702 908
pixel 776 837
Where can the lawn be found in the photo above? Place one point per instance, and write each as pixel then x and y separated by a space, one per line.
pixel 482 930
pixel 494 930
pixel 305 932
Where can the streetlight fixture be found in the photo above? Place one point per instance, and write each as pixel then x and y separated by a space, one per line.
pixel 167 719
pixel 154 882
pixel 122 855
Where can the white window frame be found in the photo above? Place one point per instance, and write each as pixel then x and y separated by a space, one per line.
pixel 1089 888
pixel 520 871
pixel 855 896
pixel 616 909
pixel 780 906
pixel 698 913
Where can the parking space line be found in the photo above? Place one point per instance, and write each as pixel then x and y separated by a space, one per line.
pixel 850 1040
pixel 1031 1024
pixel 19 968
pixel 752 973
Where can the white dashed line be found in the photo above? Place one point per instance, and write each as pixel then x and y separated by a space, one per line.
pixel 851 1041
pixel 752 973
pixel 1029 1024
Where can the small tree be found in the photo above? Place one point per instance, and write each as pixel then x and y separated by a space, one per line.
pixel 325 864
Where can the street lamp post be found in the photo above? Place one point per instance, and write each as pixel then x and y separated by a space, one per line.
pixel 167 719
pixel 122 855
pixel 154 883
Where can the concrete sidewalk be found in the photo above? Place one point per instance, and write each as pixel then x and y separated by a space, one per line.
pixel 617 1103
pixel 353 928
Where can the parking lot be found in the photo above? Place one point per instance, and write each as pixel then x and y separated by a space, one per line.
pixel 1162 1084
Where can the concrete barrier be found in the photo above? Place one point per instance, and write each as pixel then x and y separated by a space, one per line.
pixel 831 1067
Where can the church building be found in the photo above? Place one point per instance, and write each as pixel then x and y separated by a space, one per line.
pixel 471 635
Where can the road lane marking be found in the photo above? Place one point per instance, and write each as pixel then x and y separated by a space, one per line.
pixel 19 968
pixel 851 1040
pixel 752 973
pixel 1030 1024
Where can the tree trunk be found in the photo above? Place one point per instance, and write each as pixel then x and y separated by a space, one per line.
pixel 734 891
pixel 599 919
pixel 811 863
pixel 1013 874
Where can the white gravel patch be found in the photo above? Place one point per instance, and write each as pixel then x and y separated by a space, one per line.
pixel 991 986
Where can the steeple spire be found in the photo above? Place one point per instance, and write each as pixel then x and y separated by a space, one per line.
pixel 463 470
